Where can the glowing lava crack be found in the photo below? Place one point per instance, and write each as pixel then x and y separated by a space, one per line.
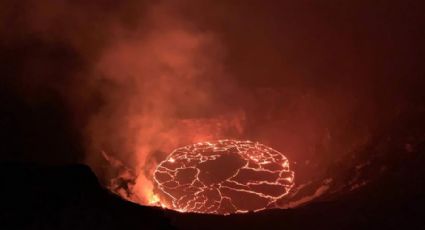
pixel 222 177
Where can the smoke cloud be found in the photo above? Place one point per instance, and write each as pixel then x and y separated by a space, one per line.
pixel 162 85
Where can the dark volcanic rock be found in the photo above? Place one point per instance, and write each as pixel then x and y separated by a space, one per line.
pixel 68 197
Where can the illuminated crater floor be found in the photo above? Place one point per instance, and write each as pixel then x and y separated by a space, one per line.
pixel 223 177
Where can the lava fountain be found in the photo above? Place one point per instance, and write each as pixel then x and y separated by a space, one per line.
pixel 222 177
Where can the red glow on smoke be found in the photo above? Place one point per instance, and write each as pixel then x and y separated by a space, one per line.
pixel 222 177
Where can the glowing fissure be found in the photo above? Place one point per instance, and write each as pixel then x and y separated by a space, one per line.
pixel 222 177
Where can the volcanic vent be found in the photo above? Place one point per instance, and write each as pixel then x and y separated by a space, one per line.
pixel 223 177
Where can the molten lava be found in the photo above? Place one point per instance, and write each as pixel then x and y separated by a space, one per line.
pixel 223 177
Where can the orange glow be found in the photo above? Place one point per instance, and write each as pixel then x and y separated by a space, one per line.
pixel 153 199
pixel 222 177
pixel 161 91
